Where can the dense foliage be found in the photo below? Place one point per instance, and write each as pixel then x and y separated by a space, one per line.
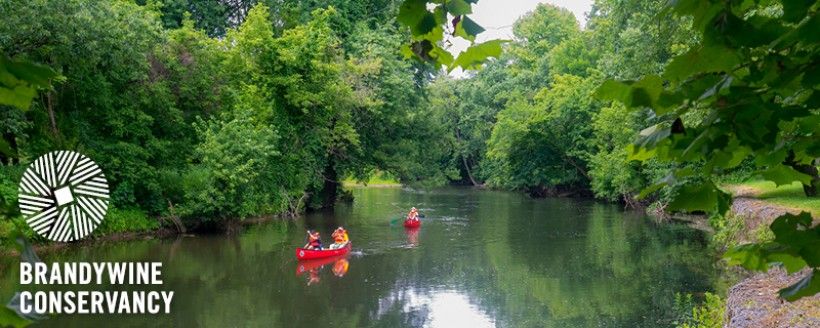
pixel 749 89
pixel 215 111
pixel 222 113
pixel 529 120
pixel 651 95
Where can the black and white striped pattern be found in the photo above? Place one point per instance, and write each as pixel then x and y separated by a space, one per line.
pixel 72 220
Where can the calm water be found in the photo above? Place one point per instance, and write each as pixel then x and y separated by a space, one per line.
pixel 480 259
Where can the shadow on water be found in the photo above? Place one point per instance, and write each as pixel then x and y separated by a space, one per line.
pixel 480 259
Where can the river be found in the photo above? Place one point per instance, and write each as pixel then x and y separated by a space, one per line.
pixel 480 259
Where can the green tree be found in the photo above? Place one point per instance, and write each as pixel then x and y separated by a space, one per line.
pixel 746 90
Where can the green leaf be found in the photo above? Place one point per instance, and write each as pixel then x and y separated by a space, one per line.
pixel 477 54
pixel 458 7
pixel 701 11
pixel 9 318
pixel 808 286
pixel 784 175
pixel 19 81
pixel 414 14
pixel 646 91
pixel 406 51
pixel 795 231
pixel 34 74
pixel 639 153
pixel 5 149
pixel 642 93
pixel 411 11
pixel 650 137
pixel 699 196
pixel 441 56
pixel 795 246
pixel 749 256
pixel 701 60
pixel 614 90
pixel 19 97
pixel 468 29
pixel 791 263
pixel 794 11
pixel 668 180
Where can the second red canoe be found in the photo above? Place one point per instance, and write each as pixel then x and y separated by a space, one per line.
pixel 412 223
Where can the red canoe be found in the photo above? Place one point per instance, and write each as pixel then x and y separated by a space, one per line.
pixel 309 254
pixel 412 223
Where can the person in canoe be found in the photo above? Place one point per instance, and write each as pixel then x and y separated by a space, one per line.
pixel 314 240
pixel 340 238
pixel 413 215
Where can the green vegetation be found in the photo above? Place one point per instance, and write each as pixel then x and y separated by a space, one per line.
pixel 126 221
pixel 378 179
pixel 215 112
pixel 748 89
pixel 222 115
pixel 433 23
pixel 712 88
pixel 516 124
pixel 219 115
pixel 790 195
pixel 710 314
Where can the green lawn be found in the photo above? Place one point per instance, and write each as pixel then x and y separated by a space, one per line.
pixel 790 196
pixel 378 179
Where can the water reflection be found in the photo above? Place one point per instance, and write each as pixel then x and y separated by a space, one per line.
pixel 483 259
pixel 440 308
pixel 412 236
pixel 339 267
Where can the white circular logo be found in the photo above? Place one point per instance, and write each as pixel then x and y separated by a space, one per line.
pixel 63 196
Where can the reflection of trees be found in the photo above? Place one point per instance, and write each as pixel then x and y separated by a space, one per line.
pixel 595 266
pixel 543 263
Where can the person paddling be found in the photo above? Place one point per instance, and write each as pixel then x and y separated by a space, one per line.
pixel 413 215
pixel 314 240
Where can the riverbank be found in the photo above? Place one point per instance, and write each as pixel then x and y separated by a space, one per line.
pixel 576 252
pixel 158 232
pixel 754 301
pixel 111 237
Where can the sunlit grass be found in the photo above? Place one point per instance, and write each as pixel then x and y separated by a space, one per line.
pixel 790 196
pixel 378 179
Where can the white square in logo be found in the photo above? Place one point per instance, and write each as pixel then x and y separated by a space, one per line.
pixel 63 196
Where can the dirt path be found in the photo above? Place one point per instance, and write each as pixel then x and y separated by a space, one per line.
pixel 754 301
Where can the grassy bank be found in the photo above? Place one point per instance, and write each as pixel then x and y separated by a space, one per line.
pixel 379 179
pixel 118 224
pixel 788 196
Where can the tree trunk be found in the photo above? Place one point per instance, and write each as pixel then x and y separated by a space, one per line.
pixel 330 189
pixel 51 115
pixel 812 189
pixel 11 158
pixel 464 161
pixel 469 173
